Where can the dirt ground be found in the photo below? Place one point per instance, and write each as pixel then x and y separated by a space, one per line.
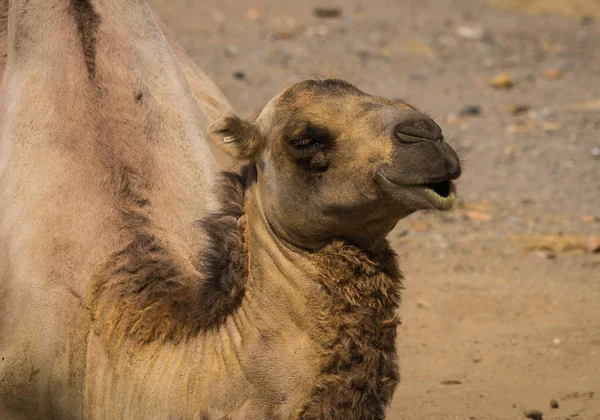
pixel 501 311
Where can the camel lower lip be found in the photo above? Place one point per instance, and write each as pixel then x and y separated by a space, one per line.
pixel 445 202
pixel 442 195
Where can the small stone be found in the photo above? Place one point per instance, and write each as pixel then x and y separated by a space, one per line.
pixel 509 151
pixel 451 382
pixel 534 414
pixel 231 51
pixel 478 215
pixel 521 127
pixel 547 255
pixel 470 110
pixel 502 81
pixel 554 404
pixel 416 47
pixel 517 109
pixel 423 304
pixel 363 52
pixel 587 20
pixel 454 119
pixel 541 114
pixel 286 29
pixel 556 341
pixel 595 152
pixel 327 12
pixel 593 245
pixel 552 74
pixel 253 14
pixel 239 74
pixel 473 33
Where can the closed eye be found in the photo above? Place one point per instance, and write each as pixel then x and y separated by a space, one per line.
pixel 311 138
pixel 304 143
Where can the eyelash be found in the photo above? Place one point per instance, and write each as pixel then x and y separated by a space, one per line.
pixel 304 143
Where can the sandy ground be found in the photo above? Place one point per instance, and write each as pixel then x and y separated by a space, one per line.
pixel 497 319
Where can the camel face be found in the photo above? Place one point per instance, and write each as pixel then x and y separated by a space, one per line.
pixel 334 162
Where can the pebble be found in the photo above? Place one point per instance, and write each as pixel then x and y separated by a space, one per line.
pixel 547 255
pixel 239 74
pixel 253 14
pixel 587 20
pixel 423 304
pixel 478 215
pixel 534 414
pixel 327 12
pixel 474 33
pixel 502 81
pixel 470 110
pixel 554 404
pixel 541 114
pixel 521 127
pixel 595 152
pixel 593 245
pixel 286 29
pixel 517 109
pixel 231 51
pixel 418 48
pixel 589 218
pixel 550 126
pixel 451 382
pixel 552 74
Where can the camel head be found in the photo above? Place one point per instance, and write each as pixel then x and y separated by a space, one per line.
pixel 336 163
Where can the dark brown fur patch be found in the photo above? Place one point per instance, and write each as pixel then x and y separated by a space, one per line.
pixel 359 369
pixel 144 293
pixel 87 21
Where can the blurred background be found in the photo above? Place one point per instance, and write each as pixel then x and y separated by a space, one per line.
pixel 501 312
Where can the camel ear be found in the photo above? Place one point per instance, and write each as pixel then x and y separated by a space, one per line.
pixel 237 137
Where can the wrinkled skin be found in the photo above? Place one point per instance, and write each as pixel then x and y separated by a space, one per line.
pixel 336 163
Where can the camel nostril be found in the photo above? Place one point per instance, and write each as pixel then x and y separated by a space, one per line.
pixel 420 128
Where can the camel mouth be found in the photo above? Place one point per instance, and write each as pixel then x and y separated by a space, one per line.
pixel 443 189
pixel 439 195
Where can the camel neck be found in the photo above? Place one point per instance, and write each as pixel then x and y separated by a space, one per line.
pixel 274 264
pixel 346 299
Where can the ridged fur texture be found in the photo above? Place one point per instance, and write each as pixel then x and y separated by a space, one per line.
pixel 359 370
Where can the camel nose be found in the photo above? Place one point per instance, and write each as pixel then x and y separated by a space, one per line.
pixel 415 127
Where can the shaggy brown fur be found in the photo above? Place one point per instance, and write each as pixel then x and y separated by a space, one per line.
pixel 145 294
pixel 359 370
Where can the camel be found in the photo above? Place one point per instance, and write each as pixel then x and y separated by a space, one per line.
pixel 140 281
